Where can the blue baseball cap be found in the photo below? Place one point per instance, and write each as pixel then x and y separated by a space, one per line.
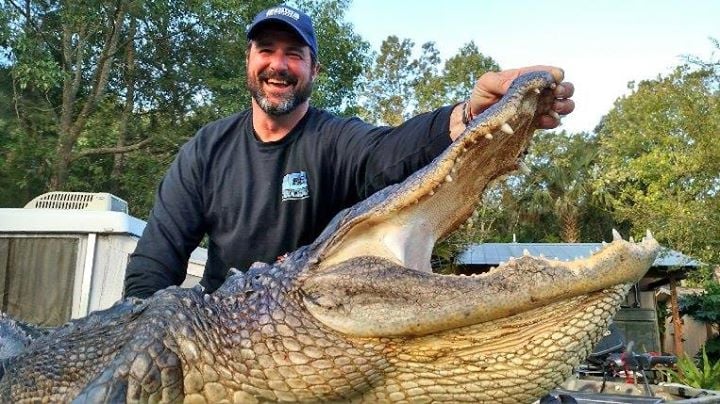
pixel 295 19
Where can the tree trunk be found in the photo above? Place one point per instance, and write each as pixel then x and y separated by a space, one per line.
pixel 570 227
pixel 119 158
pixel 676 320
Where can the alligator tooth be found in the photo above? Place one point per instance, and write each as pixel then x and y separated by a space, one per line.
pixel 604 243
pixel 526 253
pixel 431 193
pixel 507 129
pixel 553 85
pixel 448 178
pixel 542 255
pixel 536 90
pixel 554 114
pixel 631 239
pixel 489 136
pixel 511 259
pixel 616 235
pixel 648 234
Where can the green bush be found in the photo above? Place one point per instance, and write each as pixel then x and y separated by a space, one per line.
pixel 703 375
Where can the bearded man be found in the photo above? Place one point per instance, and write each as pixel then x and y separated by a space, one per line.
pixel 267 180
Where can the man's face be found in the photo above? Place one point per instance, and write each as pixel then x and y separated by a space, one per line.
pixel 280 72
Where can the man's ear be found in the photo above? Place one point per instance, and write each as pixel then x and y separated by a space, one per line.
pixel 316 70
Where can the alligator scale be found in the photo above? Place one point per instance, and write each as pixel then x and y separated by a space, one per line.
pixel 357 315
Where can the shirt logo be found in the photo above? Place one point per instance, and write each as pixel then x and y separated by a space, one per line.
pixel 295 186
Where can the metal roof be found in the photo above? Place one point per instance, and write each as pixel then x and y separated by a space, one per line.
pixel 495 253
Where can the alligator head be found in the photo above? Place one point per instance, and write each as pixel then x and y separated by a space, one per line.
pixel 358 315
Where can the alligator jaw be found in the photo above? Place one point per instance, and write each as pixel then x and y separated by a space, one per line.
pixel 371 274
pixel 401 223
pixel 371 297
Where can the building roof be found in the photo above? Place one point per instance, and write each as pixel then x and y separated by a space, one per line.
pixel 492 254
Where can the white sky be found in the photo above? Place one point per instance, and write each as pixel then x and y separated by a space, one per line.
pixel 602 45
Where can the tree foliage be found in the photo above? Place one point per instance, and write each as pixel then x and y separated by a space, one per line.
pixel 660 160
pixel 399 85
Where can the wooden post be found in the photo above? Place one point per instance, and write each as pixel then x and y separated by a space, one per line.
pixel 676 321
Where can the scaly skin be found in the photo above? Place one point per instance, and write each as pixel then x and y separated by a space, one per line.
pixel 357 316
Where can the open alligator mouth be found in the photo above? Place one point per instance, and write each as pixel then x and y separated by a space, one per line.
pixel 373 277
pixel 401 223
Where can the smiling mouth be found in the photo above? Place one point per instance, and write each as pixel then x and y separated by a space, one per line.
pixel 278 84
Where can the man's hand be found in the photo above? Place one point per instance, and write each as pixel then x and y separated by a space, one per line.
pixel 491 86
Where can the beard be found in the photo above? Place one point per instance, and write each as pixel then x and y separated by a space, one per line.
pixel 288 102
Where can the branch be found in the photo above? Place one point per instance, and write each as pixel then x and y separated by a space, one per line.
pixel 111 150
pixel 26 12
pixel 101 74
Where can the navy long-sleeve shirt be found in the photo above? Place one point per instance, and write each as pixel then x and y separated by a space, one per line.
pixel 258 200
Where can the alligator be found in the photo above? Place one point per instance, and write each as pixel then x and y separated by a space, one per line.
pixel 358 315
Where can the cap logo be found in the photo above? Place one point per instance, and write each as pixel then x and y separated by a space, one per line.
pixel 283 11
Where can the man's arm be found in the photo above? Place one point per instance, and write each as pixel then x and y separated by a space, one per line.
pixel 174 229
pixel 491 86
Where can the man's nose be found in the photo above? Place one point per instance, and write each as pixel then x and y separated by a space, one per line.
pixel 279 61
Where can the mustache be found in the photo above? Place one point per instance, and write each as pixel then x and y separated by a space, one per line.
pixel 278 75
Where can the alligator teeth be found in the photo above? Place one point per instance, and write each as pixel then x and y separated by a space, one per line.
pixel 448 178
pixel 507 129
pixel 616 235
pixel 489 136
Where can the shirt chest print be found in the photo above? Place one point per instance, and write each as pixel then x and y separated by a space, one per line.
pixel 295 186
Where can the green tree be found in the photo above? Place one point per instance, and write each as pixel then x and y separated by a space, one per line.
pixel 660 160
pixel 388 83
pixel 456 80
pixel 399 85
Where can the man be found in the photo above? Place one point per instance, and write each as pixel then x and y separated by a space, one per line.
pixel 267 180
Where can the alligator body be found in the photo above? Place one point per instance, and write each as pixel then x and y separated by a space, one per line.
pixel 357 315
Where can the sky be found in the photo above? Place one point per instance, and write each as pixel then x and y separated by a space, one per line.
pixel 601 45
